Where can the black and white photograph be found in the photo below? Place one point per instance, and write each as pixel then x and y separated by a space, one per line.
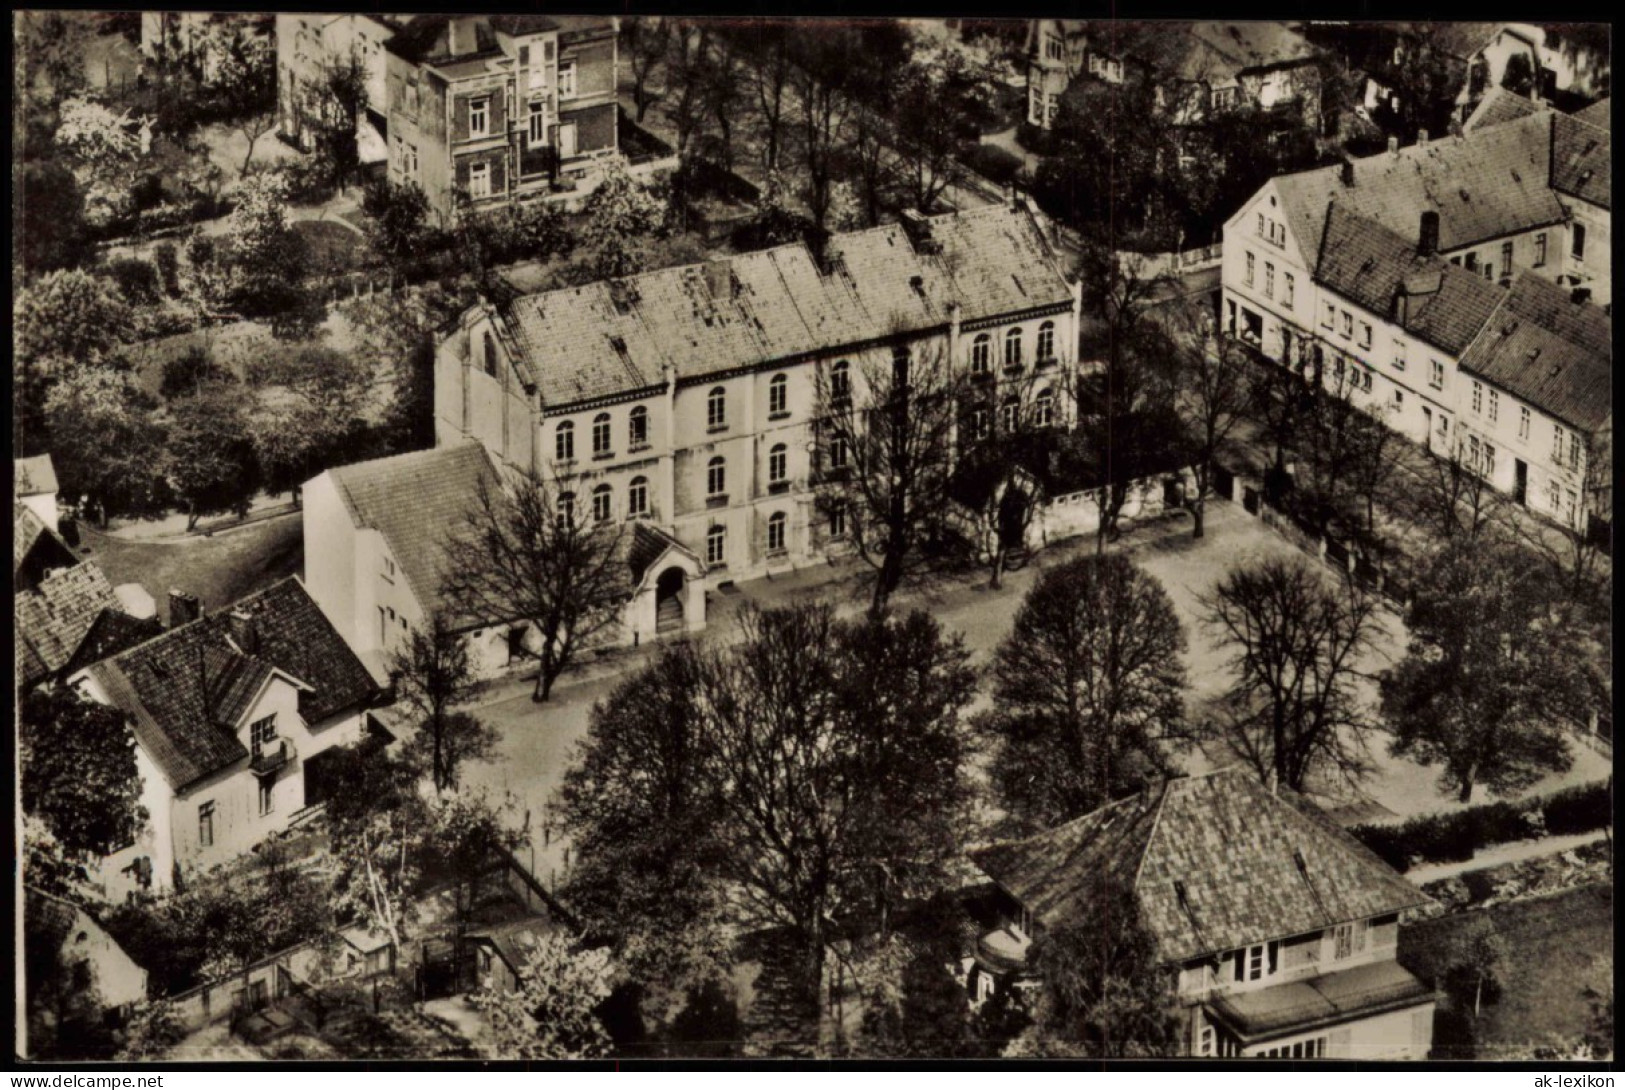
pixel 783 538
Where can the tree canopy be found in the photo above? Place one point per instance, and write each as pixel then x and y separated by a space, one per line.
pixel 79 771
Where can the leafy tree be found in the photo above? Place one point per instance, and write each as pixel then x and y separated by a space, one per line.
pixel 466 835
pixel 622 215
pixel 378 824
pixel 1425 79
pixel 154 1028
pixel 48 214
pixel 885 439
pixel 105 442
pixel 639 804
pixel 137 280
pixel 914 1007
pixel 263 254
pixel 553 1014
pixel 645 40
pixel 102 147
pixel 393 335
pixel 1474 977
pixel 50 55
pixel 432 674
pixel 244 84
pixel 397 221
pixel 1105 993
pixel 340 97
pixel 190 371
pixel 79 772
pixel 934 96
pixel 1293 707
pixel 308 415
pixel 70 315
pixel 212 466
pixel 1493 670
pixel 1088 688
pixel 532 552
pixel 1112 149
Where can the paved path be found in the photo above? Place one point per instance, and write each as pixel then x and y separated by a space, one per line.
pixel 1498 854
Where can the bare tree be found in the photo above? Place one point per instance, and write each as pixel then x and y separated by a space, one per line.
pixel 824 66
pixel 771 73
pixel 432 673
pixel 885 444
pixel 647 40
pixel 532 553
pixel 685 79
pixel 1453 501
pixel 1297 640
pixel 1214 389
pixel 723 92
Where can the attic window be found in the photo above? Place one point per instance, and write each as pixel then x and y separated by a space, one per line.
pixel 1368 264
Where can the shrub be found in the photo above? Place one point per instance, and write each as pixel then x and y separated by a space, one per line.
pixel 1034 139
pixel 169 268
pixel 137 280
pixel 186 372
pixel 994 163
pixel 310 181
pixel 1579 809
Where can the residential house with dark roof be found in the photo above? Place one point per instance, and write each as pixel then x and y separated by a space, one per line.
pixel 490 109
pixel 1569 62
pixel 36 550
pixel 93 960
pixel 1283 928
pixel 375 538
pixel 686 398
pixel 231 713
pixel 1379 274
pixel 1198 68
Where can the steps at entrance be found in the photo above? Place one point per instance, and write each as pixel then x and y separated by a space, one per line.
pixel 669 616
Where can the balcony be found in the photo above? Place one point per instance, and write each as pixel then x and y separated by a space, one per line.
pixel 1329 999
pixel 270 759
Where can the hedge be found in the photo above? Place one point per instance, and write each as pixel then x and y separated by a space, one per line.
pixel 993 163
pixel 1454 837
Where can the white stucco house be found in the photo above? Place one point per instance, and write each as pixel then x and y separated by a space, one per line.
pixel 375 536
pixel 34 486
pixel 231 713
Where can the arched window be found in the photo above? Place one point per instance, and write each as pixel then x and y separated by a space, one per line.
pixel 637 428
pixel 564 442
pixel 778 395
pixel 490 360
pixel 716 408
pixel 775 532
pixel 1044 408
pixel 600 434
pixel 981 354
pixel 840 384
pixel 716 476
pixel 602 507
pixel 716 546
pixel 1010 413
pixel 1012 348
pixel 837 452
pixel 637 497
pixel 1046 342
pixel 778 464
pixel 567 508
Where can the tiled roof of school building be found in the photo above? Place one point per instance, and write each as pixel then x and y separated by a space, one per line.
pixel 1215 862
pixel 1545 348
pixel 605 338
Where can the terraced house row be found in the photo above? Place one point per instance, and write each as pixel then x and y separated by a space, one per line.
pixel 688 397
pixel 1460 288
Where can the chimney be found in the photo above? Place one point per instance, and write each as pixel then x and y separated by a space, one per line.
pixel 183 608
pixel 1427 238
pixel 462 35
pixel 1346 172
pixel 1421 138
pixel 1581 296
pixel 719 278
pixel 243 633
pixel 1393 145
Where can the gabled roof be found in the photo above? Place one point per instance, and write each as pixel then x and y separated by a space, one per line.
pixel 113 632
pixel 644 545
pixel 513 940
pixel 1550 351
pixel 34 476
pixel 1497 107
pixel 427 40
pixel 1582 160
pixel 582 344
pixel 29 533
pixel 1380 270
pixel 185 689
pixel 54 618
pixel 1491 183
pixel 416 501
pixel 1213 862
pixel 1598 113
pixel 1456 39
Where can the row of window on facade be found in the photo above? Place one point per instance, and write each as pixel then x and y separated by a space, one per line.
pixel 981 351
pixel 1289 284
pixel 716 416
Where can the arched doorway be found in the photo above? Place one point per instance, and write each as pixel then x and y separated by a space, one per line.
pixel 669 588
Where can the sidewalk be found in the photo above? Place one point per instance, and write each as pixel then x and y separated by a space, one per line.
pixel 171 529
pixel 1498 854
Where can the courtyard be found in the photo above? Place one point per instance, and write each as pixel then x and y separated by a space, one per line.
pixel 538 741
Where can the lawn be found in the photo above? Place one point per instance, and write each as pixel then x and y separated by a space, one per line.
pixel 219 569
pixel 333 247
pixel 1558 945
